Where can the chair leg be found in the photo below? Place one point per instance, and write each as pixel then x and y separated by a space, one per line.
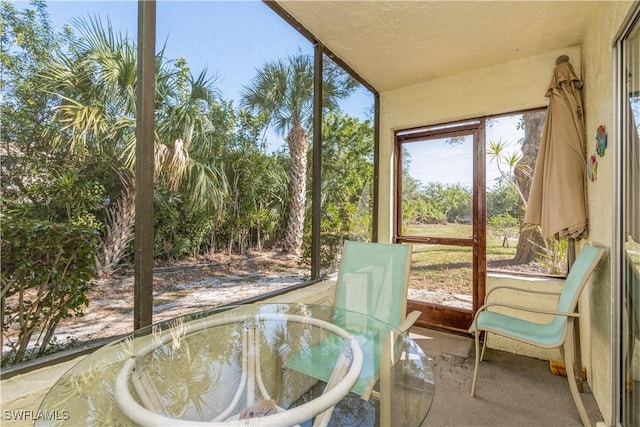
pixel 484 344
pixel 571 376
pixel 386 365
pixel 475 371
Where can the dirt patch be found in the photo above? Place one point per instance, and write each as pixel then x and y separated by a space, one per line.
pixel 178 289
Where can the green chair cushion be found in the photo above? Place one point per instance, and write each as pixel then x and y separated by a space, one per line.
pixel 547 335
pixel 319 360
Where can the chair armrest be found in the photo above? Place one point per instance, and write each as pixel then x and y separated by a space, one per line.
pixel 525 308
pixel 409 320
pixel 517 307
pixel 513 288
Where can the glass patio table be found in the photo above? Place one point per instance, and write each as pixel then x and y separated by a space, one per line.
pixel 227 366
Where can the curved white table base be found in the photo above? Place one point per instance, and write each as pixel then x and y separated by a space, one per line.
pixel 339 385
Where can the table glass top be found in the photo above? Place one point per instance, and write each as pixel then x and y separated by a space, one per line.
pixel 256 359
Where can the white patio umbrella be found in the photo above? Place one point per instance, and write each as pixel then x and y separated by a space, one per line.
pixel 558 196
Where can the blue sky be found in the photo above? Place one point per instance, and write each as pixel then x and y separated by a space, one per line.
pixel 233 38
pixel 209 34
pixel 434 160
pixel 229 38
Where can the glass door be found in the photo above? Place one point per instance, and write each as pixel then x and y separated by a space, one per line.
pixel 626 252
pixel 631 273
pixel 440 209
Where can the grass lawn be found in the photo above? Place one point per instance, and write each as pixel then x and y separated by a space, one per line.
pixel 445 267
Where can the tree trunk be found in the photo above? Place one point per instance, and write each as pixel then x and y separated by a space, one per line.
pixel 119 229
pixel 298 141
pixel 530 240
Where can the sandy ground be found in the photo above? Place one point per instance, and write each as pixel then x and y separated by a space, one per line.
pixel 195 286
pixel 181 289
pixel 188 287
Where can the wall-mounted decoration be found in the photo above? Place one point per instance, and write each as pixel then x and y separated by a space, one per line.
pixel 601 137
pixel 592 168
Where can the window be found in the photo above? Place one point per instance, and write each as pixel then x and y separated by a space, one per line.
pixel 346 206
pixel 625 253
pixel 512 148
pixel 234 168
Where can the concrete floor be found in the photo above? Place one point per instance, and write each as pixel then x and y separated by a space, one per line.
pixel 511 391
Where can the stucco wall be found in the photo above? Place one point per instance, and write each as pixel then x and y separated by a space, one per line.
pixel 598 105
pixel 502 88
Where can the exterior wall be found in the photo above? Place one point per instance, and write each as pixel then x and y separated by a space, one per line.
pixel 598 96
pixel 322 293
pixel 502 88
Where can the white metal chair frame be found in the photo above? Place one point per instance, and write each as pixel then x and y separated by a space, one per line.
pixel 564 339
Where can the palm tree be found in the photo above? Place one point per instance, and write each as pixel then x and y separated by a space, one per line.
pixel 519 176
pixel 96 82
pixel 283 91
pixel 530 240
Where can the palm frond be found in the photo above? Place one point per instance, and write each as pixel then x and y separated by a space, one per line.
pixel 174 162
pixel 203 88
pixel 82 121
pixel 207 187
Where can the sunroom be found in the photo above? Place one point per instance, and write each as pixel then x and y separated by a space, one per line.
pixel 448 84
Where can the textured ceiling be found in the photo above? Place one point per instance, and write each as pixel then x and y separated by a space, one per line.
pixel 392 44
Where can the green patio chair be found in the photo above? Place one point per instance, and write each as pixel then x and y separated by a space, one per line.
pixel 558 333
pixel 372 280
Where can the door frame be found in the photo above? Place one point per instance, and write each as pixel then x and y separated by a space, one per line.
pixel 621 412
pixel 435 315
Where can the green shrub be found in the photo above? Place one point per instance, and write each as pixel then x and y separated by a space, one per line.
pixel 504 226
pixel 46 273
pixel 553 257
